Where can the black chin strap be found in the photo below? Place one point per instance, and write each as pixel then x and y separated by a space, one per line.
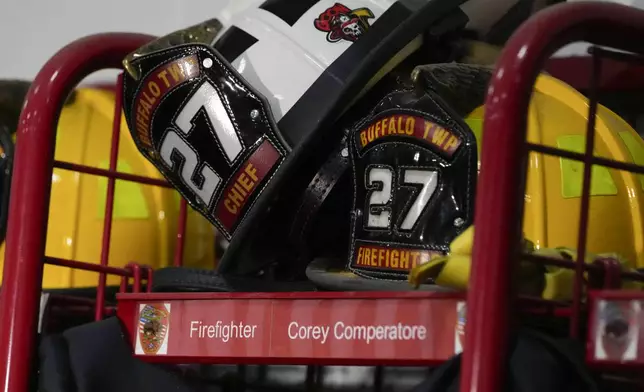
pixel 316 193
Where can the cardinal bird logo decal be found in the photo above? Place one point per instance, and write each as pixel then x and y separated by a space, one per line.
pixel 342 23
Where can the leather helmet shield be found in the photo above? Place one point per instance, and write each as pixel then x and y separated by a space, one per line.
pixel 414 173
pixel 205 129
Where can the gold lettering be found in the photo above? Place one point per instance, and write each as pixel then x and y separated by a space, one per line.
pixel 363 138
pixel 148 99
pixel 404 260
pixel 439 136
pixel 231 208
pixel 162 76
pixel 143 110
pixel 175 71
pixel 239 188
pixel 243 185
pixel 360 254
pixel 141 121
pixel 153 87
pixel 145 106
pixel 245 182
pixel 251 171
pixel 409 125
pixel 451 142
pixel 392 126
pixel 399 259
pixel 235 197
pixel 394 258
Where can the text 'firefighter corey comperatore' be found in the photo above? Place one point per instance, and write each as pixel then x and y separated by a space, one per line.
pixel 338 141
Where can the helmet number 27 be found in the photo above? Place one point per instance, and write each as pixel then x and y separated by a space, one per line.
pixel 380 186
pixel 205 99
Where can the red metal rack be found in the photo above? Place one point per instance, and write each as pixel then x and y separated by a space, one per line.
pixel 30 191
pixel 498 216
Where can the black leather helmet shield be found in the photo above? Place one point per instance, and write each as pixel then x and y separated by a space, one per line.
pixel 414 167
pixel 188 103
pixel 412 190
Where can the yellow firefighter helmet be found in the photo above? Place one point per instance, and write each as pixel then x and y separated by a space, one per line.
pixel 557 117
pixel 144 217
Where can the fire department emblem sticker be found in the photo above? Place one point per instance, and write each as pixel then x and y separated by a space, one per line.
pixel 617 330
pixel 153 329
pixel 342 23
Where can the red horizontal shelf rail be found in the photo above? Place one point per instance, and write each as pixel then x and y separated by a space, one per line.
pixel 294 328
